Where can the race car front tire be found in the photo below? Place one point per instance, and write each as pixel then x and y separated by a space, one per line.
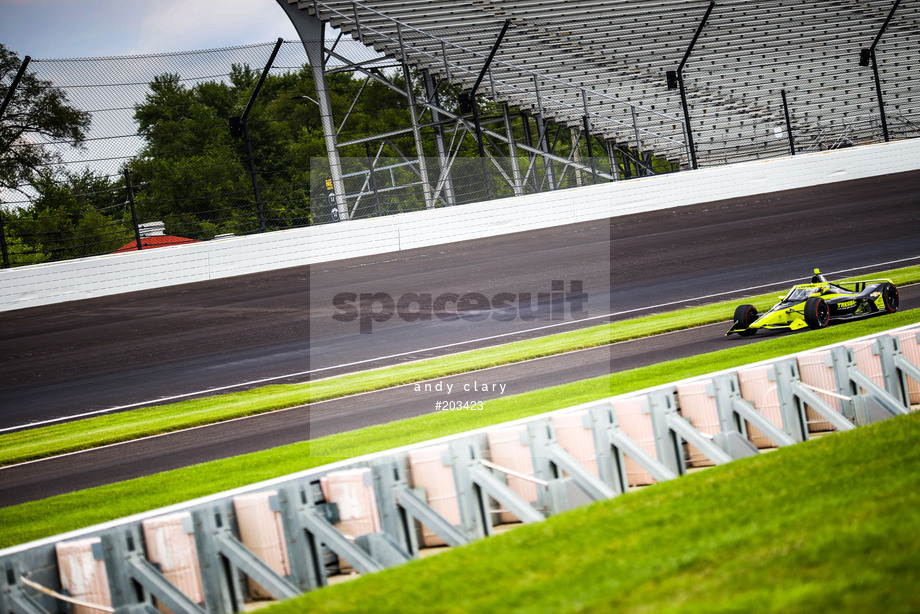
pixel 890 297
pixel 745 316
pixel 817 314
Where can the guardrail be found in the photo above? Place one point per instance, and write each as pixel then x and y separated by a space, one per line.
pixel 276 539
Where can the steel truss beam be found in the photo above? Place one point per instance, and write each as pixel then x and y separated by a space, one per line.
pixel 430 105
pixel 311 32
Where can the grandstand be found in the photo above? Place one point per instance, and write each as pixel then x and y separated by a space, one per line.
pixel 607 61
pixel 577 92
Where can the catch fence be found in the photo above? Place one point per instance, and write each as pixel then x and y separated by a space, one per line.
pixel 167 160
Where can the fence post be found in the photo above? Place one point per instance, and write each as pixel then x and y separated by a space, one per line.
pixel 240 125
pixel 676 80
pixel 476 123
pixel 3 248
pixel 542 140
pixel 253 175
pixel 610 149
pixel 867 55
pixel 6 101
pixel 788 123
pixel 587 126
pixel 137 229
pixel 372 181
pixel 14 84
pixel 528 138
pixel 639 148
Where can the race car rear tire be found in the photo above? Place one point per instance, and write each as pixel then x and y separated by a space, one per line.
pixel 890 297
pixel 817 314
pixel 745 316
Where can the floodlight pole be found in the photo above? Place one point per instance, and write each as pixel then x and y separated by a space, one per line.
pixel 679 74
pixel 867 55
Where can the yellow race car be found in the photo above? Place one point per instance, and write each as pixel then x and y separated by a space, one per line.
pixel 816 304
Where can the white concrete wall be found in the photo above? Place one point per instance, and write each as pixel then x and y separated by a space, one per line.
pixel 116 273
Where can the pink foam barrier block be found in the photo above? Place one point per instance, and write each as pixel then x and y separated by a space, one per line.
pixel 700 410
pixel 814 371
pixel 82 576
pixel 637 425
pixel 759 391
pixel 507 451
pixel 173 549
pixel 429 471
pixel 576 439
pixel 262 532
pixel 910 347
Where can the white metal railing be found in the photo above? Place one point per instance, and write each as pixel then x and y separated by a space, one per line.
pixel 367 513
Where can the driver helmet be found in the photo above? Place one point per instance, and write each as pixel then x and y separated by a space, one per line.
pixel 818 278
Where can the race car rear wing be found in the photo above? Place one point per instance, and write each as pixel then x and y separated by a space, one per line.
pixel 859 286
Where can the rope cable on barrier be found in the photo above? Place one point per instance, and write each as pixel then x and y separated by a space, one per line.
pixel 65 598
pixel 827 392
pixel 513 473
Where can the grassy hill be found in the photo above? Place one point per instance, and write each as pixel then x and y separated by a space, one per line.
pixel 831 525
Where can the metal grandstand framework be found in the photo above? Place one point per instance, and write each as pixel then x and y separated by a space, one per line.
pixel 599 69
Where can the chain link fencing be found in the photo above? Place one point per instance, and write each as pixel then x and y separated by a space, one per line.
pixel 166 159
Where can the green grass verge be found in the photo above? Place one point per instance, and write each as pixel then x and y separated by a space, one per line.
pixel 30 521
pixel 831 525
pixel 114 428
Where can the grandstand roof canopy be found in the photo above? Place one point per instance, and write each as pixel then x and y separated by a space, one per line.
pixel 607 59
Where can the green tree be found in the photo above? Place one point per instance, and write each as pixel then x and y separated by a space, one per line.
pixel 195 175
pixel 191 173
pixel 37 112
pixel 73 215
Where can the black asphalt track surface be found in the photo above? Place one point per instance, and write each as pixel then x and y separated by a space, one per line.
pixel 40 479
pixel 67 359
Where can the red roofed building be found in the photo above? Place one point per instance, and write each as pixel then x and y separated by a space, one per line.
pixel 152 237
pixel 152 242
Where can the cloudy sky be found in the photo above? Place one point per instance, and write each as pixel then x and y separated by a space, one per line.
pixel 49 29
